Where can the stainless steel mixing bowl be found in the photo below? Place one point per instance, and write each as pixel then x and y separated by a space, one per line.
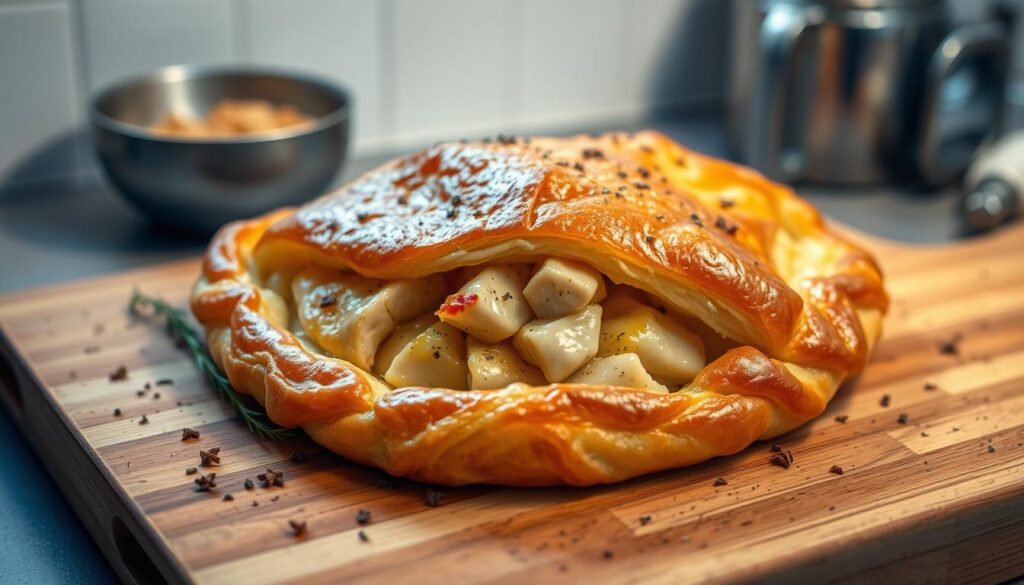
pixel 200 184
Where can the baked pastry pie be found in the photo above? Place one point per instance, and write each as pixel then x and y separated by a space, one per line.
pixel 541 311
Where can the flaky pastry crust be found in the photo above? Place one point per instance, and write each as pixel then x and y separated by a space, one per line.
pixel 710 239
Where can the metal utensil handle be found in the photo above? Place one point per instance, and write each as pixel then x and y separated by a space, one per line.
pixel 982 37
pixel 783 26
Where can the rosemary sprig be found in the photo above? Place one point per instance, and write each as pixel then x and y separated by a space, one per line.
pixel 178 326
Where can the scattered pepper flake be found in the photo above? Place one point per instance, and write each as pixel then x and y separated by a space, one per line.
pixel 884 402
pixel 363 537
pixel 119 375
pixel 363 516
pixel 271 478
pixel 187 433
pixel 783 459
pixel 434 497
pixel 164 382
pixel 191 471
pixel 248 484
pixel 328 301
pixel 607 554
pixel 951 347
pixel 298 526
pixel 836 470
pixel 696 220
pixel 229 498
pixel 929 386
pixel 991 449
pixel 720 481
pixel 144 420
pixel 117 412
pixel 210 458
pixel 589 153
pixel 205 483
pixel 645 520
pixel 902 419
pixel 842 418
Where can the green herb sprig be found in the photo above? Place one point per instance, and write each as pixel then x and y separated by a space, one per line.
pixel 179 327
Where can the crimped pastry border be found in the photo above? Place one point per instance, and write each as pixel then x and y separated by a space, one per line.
pixel 520 435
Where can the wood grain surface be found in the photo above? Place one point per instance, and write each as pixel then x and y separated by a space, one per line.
pixel 931 490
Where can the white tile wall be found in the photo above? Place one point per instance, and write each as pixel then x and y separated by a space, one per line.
pixel 339 39
pixel 126 37
pixel 38 96
pixel 576 60
pixel 419 70
pixel 674 56
pixel 451 66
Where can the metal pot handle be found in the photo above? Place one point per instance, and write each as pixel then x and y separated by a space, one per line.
pixel 783 26
pixel 982 37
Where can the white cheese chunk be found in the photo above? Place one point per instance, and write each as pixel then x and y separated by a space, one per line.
pixel 617 370
pixel 560 346
pixel 496 365
pixel 666 348
pixel 561 287
pixel 435 358
pixel 490 306
pixel 396 342
pixel 350 315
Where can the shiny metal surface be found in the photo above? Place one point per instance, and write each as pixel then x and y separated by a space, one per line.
pixel 993 203
pixel 854 92
pixel 199 185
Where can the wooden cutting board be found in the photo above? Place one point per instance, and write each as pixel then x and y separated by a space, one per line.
pixel 939 497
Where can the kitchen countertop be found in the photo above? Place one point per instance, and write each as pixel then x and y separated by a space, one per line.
pixel 55 233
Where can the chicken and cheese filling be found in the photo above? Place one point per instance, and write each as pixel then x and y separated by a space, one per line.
pixel 552 321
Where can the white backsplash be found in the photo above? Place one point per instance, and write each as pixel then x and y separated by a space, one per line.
pixel 419 70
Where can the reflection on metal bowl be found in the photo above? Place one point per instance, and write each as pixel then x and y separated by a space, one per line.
pixel 199 184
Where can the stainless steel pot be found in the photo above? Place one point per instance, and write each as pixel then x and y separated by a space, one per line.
pixel 862 91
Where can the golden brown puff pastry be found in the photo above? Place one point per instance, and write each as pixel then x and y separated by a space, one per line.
pixel 787 309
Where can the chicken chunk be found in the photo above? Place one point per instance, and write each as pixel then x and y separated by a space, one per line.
pixel 397 341
pixel 560 346
pixel 669 351
pixel 435 358
pixel 490 306
pixel 560 287
pixel 496 365
pixel 350 315
pixel 618 370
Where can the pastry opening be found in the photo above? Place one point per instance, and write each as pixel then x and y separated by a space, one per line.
pixel 493 325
